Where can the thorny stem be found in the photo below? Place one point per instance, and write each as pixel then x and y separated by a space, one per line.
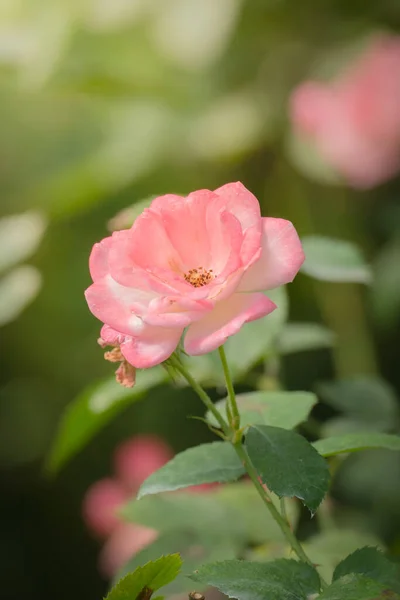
pixel 244 458
pixel 231 392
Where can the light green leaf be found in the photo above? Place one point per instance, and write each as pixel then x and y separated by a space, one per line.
pixel 18 289
pixel 146 580
pixel 371 563
pixel 207 463
pixel 279 409
pixel 288 464
pixel 193 549
pixel 256 339
pixel 329 259
pixel 357 587
pixel 354 442
pixel 367 399
pixel 298 337
pixel 278 580
pixel 230 512
pixel 20 235
pixel 92 410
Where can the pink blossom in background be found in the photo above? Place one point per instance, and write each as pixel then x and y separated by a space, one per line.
pixel 126 540
pixel 198 263
pixel 355 120
pixel 139 457
pixel 100 505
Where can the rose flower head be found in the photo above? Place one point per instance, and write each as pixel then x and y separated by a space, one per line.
pixel 198 263
pixel 354 121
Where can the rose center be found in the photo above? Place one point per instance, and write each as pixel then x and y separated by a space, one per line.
pixel 199 277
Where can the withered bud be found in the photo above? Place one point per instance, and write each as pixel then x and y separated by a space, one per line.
pixel 196 596
pixel 114 355
pixel 126 374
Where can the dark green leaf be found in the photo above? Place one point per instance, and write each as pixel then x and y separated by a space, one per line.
pixel 207 463
pixel 92 410
pixel 145 580
pixel 357 587
pixel 278 580
pixel 353 442
pixel 280 409
pixel 369 400
pixel 371 563
pixel 288 464
pixel 329 259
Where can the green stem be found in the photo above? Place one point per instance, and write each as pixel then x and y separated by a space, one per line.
pixel 202 395
pixel 230 388
pixel 244 458
pixel 283 509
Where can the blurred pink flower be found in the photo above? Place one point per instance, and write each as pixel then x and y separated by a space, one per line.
pixel 139 457
pixel 355 120
pixel 126 540
pixel 199 263
pixel 100 505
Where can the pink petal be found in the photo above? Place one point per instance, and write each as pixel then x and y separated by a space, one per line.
pixel 242 203
pixel 118 306
pixel 151 347
pixel 98 260
pixel 110 336
pixel 281 258
pixel 246 208
pixel 185 223
pixel 225 320
pixel 176 311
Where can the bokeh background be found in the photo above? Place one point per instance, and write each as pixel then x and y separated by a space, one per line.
pixel 104 103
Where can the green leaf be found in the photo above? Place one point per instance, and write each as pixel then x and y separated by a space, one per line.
pixel 18 289
pixel 370 400
pixel 279 409
pixel 329 259
pixel 256 339
pixel 371 563
pixel 144 581
pixel 354 442
pixel 232 512
pixel 298 337
pixel 20 235
pixel 207 463
pixel 288 464
pixel 327 548
pixel 92 410
pixel 357 587
pixel 193 550
pixel 278 580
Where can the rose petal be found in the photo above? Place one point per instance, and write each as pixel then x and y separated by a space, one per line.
pixel 118 306
pixel 98 260
pixel 281 258
pixel 154 345
pixel 225 320
pixel 176 311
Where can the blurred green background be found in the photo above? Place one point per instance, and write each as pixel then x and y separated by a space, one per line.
pixel 104 103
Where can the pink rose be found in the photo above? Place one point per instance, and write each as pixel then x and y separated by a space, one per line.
pixel 198 263
pixel 100 505
pixel 355 120
pixel 137 458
